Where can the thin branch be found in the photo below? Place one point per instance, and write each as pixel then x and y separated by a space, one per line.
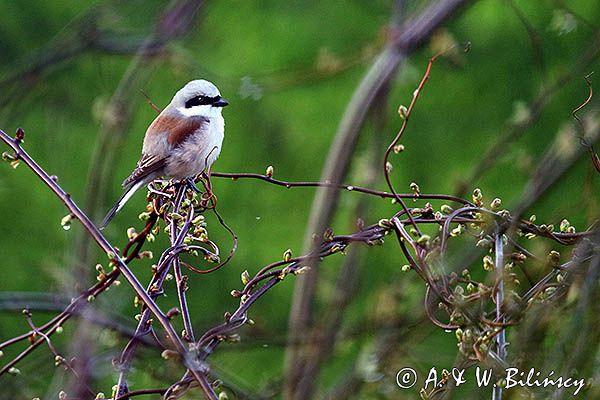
pixel 341 186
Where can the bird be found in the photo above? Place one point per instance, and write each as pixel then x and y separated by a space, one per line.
pixel 183 140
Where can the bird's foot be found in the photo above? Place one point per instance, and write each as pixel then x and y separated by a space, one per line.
pixel 192 185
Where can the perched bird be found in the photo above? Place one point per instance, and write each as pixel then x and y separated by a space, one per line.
pixel 184 140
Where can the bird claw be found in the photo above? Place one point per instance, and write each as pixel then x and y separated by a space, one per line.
pixel 192 186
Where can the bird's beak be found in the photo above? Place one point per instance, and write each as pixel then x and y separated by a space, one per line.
pixel 221 102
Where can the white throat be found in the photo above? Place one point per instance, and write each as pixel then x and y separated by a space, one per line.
pixel 200 111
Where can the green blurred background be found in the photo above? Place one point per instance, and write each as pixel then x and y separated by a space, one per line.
pixel 288 69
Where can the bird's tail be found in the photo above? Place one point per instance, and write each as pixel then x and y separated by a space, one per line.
pixel 121 202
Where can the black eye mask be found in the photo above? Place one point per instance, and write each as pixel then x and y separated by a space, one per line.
pixel 201 101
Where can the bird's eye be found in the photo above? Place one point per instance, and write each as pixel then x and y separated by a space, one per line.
pixel 199 101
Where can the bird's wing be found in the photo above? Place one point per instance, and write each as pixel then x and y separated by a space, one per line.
pixel 178 131
pixel 181 129
pixel 176 128
pixel 147 165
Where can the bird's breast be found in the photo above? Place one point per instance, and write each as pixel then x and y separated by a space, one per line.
pixel 198 151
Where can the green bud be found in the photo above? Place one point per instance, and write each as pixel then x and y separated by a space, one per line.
pixel 477 197
pixel 384 223
pixel 269 171
pixel 65 222
pixel 302 270
pixel 424 240
pixel 456 231
pixel 553 258
pixel 402 111
pixel 287 255
pixel 169 355
pixel 459 334
pixel 446 209
pixel 415 188
pixel 146 254
pixel 245 277
pixel 488 263
pixel 58 360
pixel 6 156
pixel 328 235
pixel 496 203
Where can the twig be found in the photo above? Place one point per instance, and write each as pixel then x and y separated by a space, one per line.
pixel 590 147
pixel 340 186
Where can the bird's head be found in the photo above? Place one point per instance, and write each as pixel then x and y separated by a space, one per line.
pixel 199 98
